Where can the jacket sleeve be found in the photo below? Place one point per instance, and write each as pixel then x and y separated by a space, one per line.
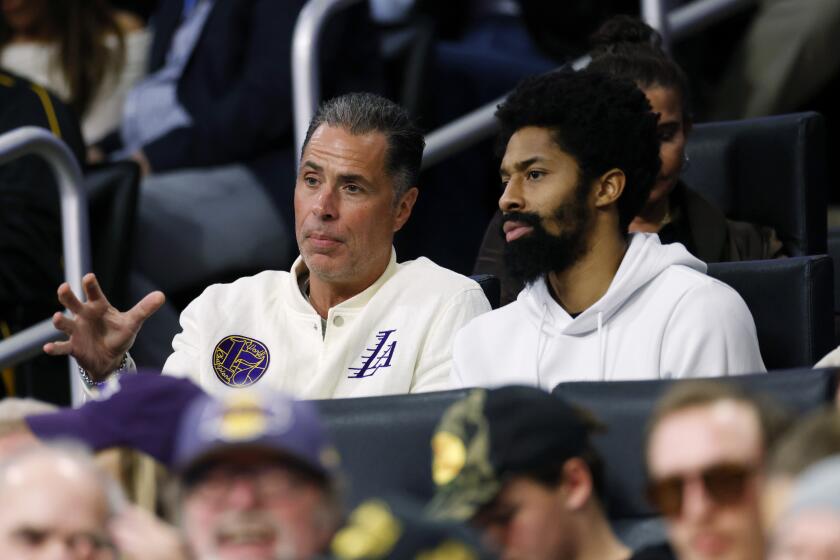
pixel 711 333
pixel 254 111
pixel 432 372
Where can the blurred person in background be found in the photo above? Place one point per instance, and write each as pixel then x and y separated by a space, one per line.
pixel 706 446
pixel 89 54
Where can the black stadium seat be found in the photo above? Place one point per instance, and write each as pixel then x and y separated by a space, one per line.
pixel 624 406
pixel 770 171
pixel 491 286
pixel 791 301
pixel 385 441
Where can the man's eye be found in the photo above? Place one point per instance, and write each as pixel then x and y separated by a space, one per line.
pixel 534 175
pixel 353 189
pixel 31 537
pixel 310 181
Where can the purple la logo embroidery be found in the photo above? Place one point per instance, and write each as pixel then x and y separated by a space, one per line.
pixel 379 356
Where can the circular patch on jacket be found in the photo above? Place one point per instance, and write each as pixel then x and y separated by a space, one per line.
pixel 240 361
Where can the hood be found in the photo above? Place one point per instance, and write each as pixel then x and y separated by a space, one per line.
pixel 645 259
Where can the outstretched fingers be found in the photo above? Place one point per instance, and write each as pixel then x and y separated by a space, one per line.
pixel 68 299
pixel 146 307
pixel 63 323
pixel 62 348
pixel 91 287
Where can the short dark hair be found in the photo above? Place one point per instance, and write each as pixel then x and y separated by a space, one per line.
pixel 628 48
pixel 601 121
pixel 362 113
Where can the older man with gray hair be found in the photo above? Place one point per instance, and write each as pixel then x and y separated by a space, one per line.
pixel 347 320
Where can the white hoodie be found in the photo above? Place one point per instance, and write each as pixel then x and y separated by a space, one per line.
pixel 661 317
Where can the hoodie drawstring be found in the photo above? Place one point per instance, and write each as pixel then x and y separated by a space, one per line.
pixel 538 354
pixel 602 346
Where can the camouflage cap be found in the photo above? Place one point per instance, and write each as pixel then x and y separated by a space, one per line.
pixel 393 527
pixel 494 433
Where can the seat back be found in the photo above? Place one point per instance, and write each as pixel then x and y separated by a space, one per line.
pixel 770 171
pixel 491 286
pixel 624 406
pixel 385 442
pixel 791 301
pixel 112 194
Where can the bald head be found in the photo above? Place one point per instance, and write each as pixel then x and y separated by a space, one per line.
pixel 56 501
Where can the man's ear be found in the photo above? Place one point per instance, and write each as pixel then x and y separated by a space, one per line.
pixel 608 187
pixel 577 483
pixel 404 207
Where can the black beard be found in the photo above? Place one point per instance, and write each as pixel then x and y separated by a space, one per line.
pixel 540 252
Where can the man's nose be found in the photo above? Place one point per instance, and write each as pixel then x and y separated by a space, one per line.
pixel 325 205
pixel 242 494
pixel 511 199
pixel 697 504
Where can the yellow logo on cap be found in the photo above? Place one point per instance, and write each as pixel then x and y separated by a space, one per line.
pixel 372 533
pixel 448 550
pixel 243 419
pixel 449 455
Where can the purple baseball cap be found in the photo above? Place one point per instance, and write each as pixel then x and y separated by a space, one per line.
pixel 143 413
pixel 272 422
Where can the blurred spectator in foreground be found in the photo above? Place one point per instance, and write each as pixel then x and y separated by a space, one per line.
pixel 518 464
pixel 56 504
pixel 811 439
pixel 809 527
pixel 14 434
pixel 84 51
pixel 706 445
pixel 385 528
pixel 258 479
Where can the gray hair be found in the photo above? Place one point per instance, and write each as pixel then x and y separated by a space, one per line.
pixel 362 113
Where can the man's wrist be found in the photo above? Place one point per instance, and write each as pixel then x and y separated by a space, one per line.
pixel 126 364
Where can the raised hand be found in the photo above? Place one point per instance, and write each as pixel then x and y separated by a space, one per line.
pixel 99 334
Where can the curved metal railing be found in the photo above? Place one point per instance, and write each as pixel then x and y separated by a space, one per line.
pixel 30 140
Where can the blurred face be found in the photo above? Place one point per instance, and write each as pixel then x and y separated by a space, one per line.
pixel 672 137
pixel 704 461
pixel 24 16
pixel 345 208
pixel 254 509
pixel 811 535
pixel 528 521
pixel 52 511
pixel 547 217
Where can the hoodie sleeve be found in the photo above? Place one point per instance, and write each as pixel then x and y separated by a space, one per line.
pixel 711 333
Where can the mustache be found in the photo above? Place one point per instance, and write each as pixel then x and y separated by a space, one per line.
pixel 527 218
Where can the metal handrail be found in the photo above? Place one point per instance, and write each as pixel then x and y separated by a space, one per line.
pixel 30 140
pixel 306 84
pixel 480 124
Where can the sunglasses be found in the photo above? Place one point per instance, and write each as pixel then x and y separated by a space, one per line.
pixel 723 483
